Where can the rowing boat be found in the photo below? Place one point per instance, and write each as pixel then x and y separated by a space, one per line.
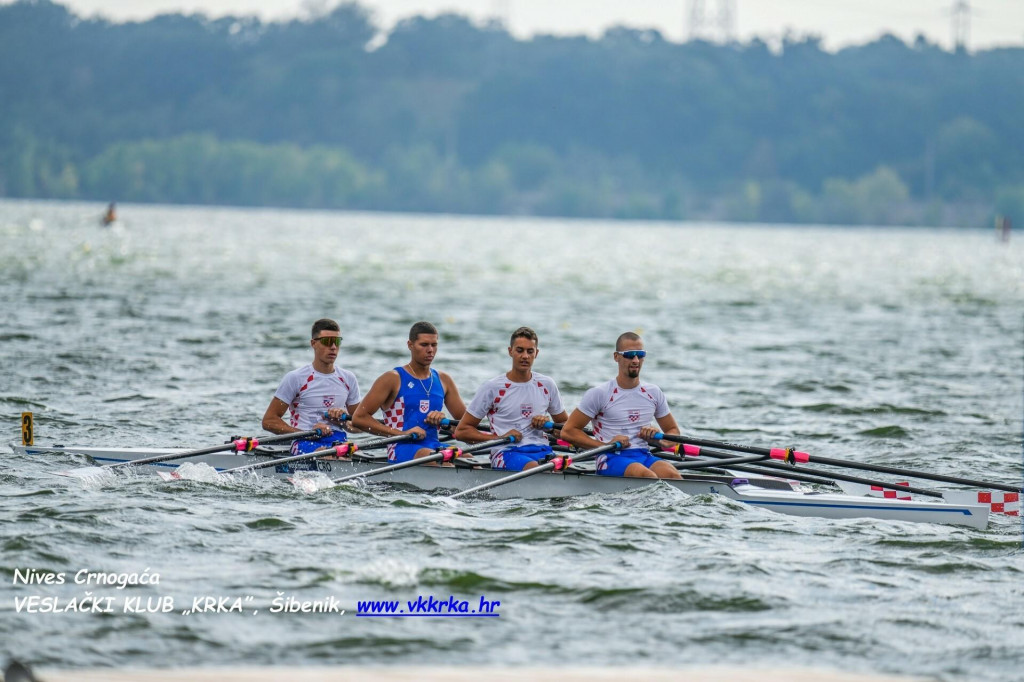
pixel 765 492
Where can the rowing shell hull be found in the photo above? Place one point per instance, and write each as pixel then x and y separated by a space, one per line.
pixel 785 501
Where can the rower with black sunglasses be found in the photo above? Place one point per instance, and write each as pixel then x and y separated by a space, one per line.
pixel 310 391
pixel 622 410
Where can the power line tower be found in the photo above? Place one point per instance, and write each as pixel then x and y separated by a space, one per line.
pixel 715 23
pixel 961 24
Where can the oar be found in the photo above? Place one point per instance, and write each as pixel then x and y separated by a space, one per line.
pixel 730 461
pixel 557 463
pixel 792 456
pixel 446 454
pixel 339 450
pixel 239 445
pixel 723 457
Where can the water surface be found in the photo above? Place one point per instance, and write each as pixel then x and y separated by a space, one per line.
pixel 903 347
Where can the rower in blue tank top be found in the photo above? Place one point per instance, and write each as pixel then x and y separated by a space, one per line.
pixel 412 399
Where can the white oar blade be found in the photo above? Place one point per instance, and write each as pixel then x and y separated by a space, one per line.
pixel 311 484
pixel 86 473
pixel 997 501
pixel 169 475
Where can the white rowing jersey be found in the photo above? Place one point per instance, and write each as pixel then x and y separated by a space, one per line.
pixel 618 411
pixel 310 393
pixel 512 405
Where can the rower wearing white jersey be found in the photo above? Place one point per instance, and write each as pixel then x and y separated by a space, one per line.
pixel 411 398
pixel 622 410
pixel 310 391
pixel 517 403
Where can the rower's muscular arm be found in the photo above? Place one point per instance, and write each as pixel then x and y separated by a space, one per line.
pixel 572 431
pixel 452 399
pixel 272 418
pixel 468 430
pixel 350 410
pixel 559 418
pixel 667 425
pixel 383 392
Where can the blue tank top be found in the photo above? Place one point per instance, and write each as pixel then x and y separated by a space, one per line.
pixel 415 399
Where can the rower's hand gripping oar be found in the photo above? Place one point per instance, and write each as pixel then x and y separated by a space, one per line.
pixel 556 463
pixel 239 445
pixel 444 454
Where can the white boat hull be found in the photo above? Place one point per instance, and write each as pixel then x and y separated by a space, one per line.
pixel 779 497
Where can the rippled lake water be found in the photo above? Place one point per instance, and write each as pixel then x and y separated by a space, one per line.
pixel 903 347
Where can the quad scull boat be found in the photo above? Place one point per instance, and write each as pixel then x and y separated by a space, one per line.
pixel 766 492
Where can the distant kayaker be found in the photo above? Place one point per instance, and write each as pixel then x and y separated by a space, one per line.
pixel 311 390
pixel 1003 227
pixel 110 217
pixel 622 410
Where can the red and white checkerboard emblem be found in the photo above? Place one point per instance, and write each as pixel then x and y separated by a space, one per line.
pixel 1001 503
pixel 879 491
pixel 634 415
pixel 424 406
pixel 328 401
pixel 526 411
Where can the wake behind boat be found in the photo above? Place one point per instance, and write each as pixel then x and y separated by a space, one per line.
pixel 775 493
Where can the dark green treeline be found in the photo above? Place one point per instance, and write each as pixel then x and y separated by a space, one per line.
pixel 444 115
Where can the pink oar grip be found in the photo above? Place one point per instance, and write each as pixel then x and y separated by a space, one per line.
pixel 783 454
pixel 561 463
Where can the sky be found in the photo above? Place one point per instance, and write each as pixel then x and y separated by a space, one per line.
pixel 838 22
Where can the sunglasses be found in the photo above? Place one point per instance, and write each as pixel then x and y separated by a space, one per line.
pixel 329 341
pixel 630 354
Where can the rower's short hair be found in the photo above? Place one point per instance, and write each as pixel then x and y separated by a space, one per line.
pixel 523 333
pixel 421 328
pixel 626 336
pixel 324 324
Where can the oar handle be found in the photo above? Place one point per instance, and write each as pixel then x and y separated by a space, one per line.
pixel 340 450
pixel 789 455
pixel 487 445
pixel 729 461
pixel 559 463
pixel 248 444
pixel 449 423
pixel 381 442
pixel 237 444
pixel 337 450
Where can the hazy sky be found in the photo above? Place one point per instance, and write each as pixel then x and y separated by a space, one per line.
pixel 840 22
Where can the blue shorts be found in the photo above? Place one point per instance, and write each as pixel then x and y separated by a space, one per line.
pixel 302 447
pixel 615 463
pixel 518 456
pixel 403 452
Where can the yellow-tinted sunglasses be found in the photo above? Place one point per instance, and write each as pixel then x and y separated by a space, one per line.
pixel 329 341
